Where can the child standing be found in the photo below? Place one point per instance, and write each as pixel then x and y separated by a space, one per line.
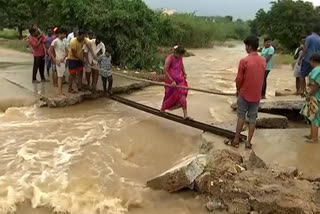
pixel 311 109
pixel 105 72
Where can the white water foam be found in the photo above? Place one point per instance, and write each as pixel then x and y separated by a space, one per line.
pixel 40 160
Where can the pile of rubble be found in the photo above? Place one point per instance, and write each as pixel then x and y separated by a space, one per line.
pixel 238 184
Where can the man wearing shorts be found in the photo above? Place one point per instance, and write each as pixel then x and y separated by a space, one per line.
pixel 58 52
pixel 249 81
pixel 311 46
pixel 76 59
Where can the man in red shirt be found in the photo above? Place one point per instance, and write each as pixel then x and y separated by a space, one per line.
pixel 249 83
pixel 37 44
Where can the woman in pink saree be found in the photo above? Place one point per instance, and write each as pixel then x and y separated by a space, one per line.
pixel 175 75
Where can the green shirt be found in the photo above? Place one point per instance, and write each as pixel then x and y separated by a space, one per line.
pixel 268 51
pixel 314 77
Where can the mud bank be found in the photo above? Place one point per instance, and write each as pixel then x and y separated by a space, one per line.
pixel 241 183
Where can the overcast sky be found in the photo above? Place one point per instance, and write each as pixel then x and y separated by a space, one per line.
pixel 245 9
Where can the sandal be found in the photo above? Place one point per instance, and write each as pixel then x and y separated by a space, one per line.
pixel 248 145
pixel 231 143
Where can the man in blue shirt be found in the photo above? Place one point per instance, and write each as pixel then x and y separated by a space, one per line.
pixel 312 46
pixel 268 53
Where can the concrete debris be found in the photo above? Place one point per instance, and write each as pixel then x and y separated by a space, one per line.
pixel 181 176
pixel 202 183
pixel 271 121
pixel 251 161
pixel 286 92
pixel 243 184
pixel 264 121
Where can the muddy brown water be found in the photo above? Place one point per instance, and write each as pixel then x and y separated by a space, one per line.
pixel 97 156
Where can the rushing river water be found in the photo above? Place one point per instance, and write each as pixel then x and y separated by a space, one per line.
pixel 95 158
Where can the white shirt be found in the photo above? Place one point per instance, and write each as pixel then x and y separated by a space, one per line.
pixel 60 48
pixel 69 38
pixel 96 49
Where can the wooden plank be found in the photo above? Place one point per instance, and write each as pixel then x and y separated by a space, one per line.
pixel 178 119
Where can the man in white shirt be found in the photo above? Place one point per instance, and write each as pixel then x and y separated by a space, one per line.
pixel 71 36
pixel 98 49
pixel 58 52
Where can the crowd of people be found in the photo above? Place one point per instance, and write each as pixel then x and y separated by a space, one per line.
pixel 77 53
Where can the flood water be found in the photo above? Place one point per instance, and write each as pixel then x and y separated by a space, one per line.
pixel 95 158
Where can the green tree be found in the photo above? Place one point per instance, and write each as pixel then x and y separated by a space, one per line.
pixel 128 27
pixel 287 21
pixel 17 14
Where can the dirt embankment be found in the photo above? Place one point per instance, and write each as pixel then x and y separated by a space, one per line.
pixel 242 183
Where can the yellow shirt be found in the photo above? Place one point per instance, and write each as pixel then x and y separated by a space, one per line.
pixel 77 47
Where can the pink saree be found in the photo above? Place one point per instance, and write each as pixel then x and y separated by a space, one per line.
pixel 175 97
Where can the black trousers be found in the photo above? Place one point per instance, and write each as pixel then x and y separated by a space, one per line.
pixel 38 64
pixel 264 87
pixel 105 81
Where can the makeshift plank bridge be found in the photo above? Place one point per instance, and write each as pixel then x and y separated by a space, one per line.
pixel 192 123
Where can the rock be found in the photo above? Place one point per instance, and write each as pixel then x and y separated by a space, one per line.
pixel 202 183
pixel 240 168
pixel 285 172
pixel 252 161
pixel 213 206
pixel 181 176
pixel 239 206
pixel 53 102
pixel 265 120
pixel 312 177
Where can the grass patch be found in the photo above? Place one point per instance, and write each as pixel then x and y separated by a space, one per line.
pixel 18 45
pixel 283 59
pixel 9 34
